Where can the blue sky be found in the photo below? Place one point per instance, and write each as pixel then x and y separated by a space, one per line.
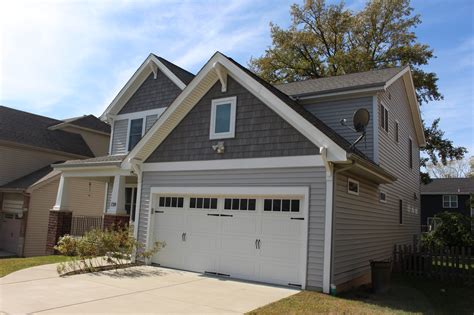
pixel 68 58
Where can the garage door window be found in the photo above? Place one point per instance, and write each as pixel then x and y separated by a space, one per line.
pixel 281 205
pixel 203 203
pixel 171 202
pixel 240 204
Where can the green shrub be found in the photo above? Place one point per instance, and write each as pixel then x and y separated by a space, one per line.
pixel 453 229
pixel 97 248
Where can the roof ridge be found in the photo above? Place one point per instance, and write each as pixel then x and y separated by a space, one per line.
pixel 166 60
pixel 345 74
pixel 31 114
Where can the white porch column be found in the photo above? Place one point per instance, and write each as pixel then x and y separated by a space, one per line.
pixel 117 200
pixel 62 198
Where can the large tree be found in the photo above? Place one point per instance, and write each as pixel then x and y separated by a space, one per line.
pixel 325 40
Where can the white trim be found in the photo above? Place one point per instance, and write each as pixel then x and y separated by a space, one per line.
pixel 335 152
pixel 83 172
pixel 396 77
pixel 300 191
pixel 141 114
pixel 136 81
pixel 380 196
pixel 328 222
pixel 340 93
pixel 112 126
pixel 353 181
pixel 105 197
pixel 227 164
pixel 375 127
pixel 212 126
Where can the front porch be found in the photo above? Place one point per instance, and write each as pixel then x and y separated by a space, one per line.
pixel 119 203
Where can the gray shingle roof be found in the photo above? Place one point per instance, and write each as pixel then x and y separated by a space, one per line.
pixel 97 161
pixel 449 186
pixel 29 179
pixel 30 129
pixel 184 75
pixel 346 82
pixel 90 122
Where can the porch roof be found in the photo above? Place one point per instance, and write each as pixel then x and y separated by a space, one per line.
pixel 107 160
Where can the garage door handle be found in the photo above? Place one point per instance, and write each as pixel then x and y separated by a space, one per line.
pixel 157 211
pixel 258 244
pixel 226 215
pixel 182 237
pixel 213 214
pixel 297 218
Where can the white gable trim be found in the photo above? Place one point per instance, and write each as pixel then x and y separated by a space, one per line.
pixel 151 65
pixel 414 107
pixel 335 152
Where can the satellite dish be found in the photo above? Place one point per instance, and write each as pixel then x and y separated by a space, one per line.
pixel 361 119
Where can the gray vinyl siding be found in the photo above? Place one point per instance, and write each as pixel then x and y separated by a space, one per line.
pixel 365 228
pixel 332 111
pixel 119 140
pixel 150 120
pixel 312 177
pixel 152 94
pixel 259 132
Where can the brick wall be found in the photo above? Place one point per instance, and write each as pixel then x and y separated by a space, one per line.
pixel 59 224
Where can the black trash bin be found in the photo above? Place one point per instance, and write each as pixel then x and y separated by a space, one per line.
pixel 381 271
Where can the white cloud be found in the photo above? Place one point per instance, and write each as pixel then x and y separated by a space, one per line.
pixel 71 58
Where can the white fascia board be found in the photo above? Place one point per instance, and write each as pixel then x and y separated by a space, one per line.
pixel 348 93
pixel 302 191
pixel 134 83
pixel 93 171
pixel 413 101
pixel 171 109
pixel 229 164
pixel 335 152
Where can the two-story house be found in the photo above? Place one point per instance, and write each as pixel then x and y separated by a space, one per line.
pixel 29 144
pixel 248 180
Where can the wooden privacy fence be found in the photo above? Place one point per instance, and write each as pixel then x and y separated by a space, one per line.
pixel 449 263
pixel 81 224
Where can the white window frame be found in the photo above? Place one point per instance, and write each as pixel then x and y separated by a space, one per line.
pixel 380 196
pixel 233 107
pixel 450 202
pixel 353 181
pixel 384 117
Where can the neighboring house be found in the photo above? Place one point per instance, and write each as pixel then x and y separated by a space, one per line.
pixel 445 194
pixel 29 144
pixel 244 179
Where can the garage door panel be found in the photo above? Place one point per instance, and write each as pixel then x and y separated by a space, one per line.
pixel 243 245
pixel 172 219
pixel 202 242
pixel 238 266
pixel 283 274
pixel 281 227
pixel 200 262
pixel 279 250
pixel 240 225
pixel 201 222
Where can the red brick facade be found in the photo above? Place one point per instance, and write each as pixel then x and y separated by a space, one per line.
pixel 59 224
pixel 112 220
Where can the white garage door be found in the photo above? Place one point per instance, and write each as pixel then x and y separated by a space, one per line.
pixel 253 236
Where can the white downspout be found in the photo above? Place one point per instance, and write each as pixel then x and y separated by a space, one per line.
pixel 328 221
pixel 136 167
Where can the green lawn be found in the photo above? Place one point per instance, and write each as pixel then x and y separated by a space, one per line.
pixel 9 265
pixel 407 296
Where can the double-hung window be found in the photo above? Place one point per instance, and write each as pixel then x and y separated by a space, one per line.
pixel 450 201
pixel 223 118
pixel 135 132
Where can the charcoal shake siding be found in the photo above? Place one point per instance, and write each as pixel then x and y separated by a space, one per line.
pixel 364 227
pixel 119 137
pixel 332 111
pixel 152 94
pixel 432 205
pixel 315 178
pixel 259 132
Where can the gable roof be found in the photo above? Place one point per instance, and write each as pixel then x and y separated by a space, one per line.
pixel 152 64
pixel 89 122
pixel 449 186
pixel 346 82
pixel 184 75
pixel 29 129
pixel 26 181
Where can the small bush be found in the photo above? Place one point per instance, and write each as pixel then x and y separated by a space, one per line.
pixel 453 229
pixel 97 248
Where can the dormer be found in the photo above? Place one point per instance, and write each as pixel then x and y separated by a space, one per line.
pixel 142 100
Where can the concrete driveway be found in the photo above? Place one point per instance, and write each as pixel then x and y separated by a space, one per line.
pixel 135 290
